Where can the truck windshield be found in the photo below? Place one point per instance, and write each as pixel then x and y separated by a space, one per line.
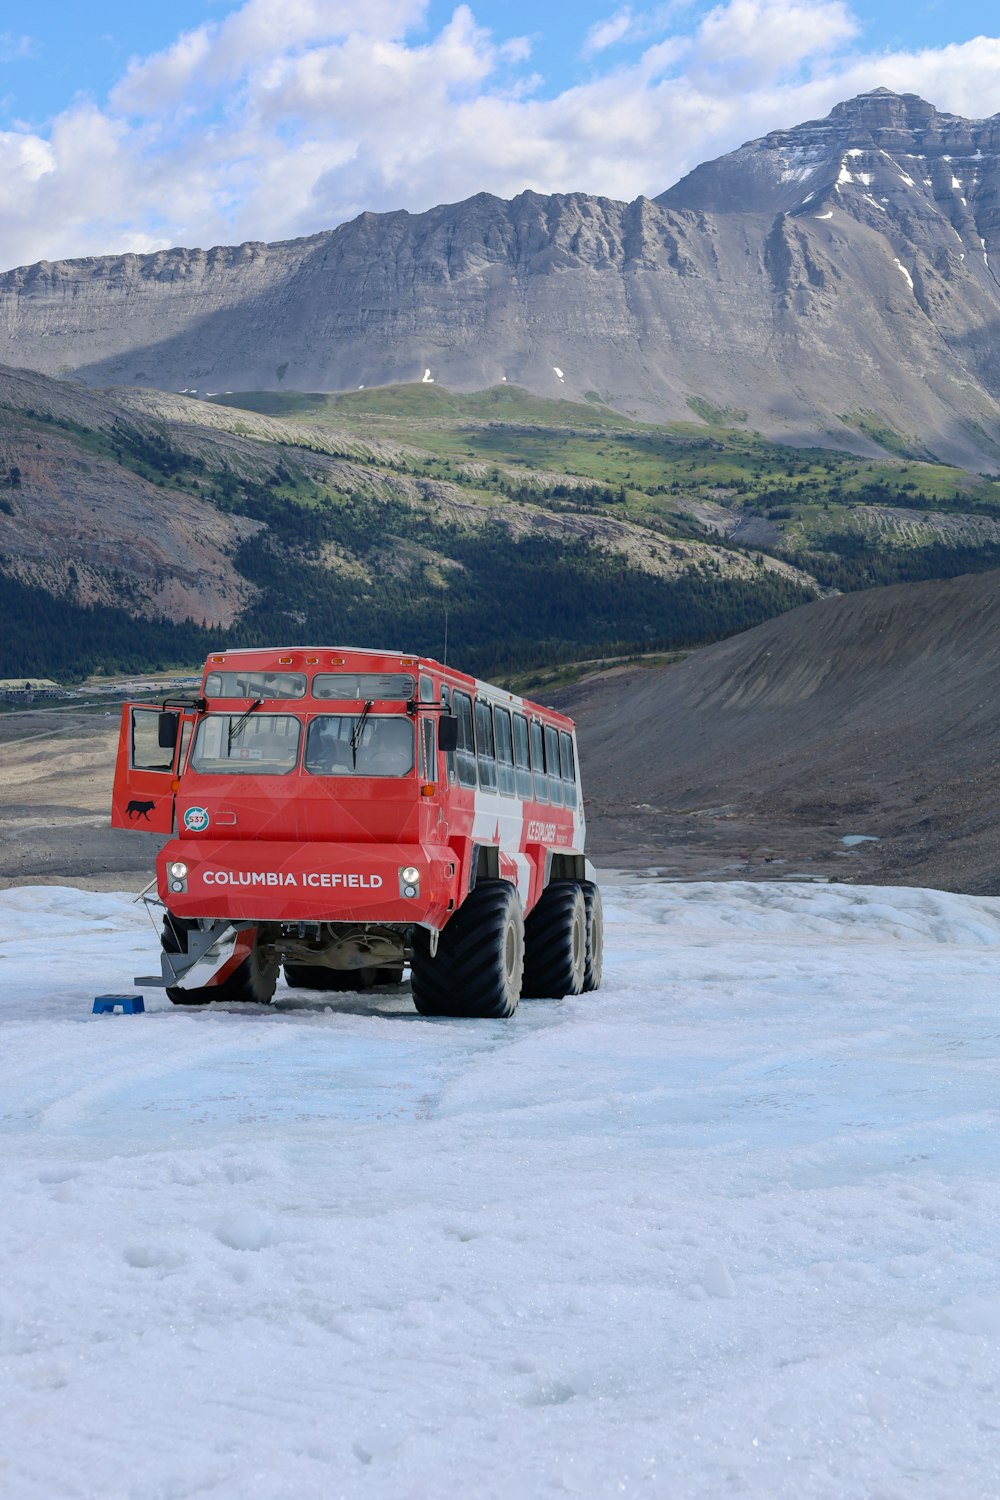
pixel 383 748
pixel 264 745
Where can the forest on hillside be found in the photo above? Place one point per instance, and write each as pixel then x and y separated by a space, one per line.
pixel 387 524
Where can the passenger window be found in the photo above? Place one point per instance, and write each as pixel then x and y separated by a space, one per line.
pixel 361 686
pixel 484 743
pixel 568 767
pixel 522 760
pixel 449 756
pixel 505 751
pixel 426 690
pixel 538 764
pixel 465 755
pixel 255 685
pixel 552 766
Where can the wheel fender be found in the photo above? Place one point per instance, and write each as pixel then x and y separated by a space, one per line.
pixel 225 952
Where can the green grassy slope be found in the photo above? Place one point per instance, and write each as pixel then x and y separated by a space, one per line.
pixel 545 530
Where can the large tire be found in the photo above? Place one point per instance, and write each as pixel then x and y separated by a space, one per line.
pixel 594 966
pixel 173 939
pixel 173 934
pixel 253 982
pixel 316 977
pixel 480 958
pixel 555 943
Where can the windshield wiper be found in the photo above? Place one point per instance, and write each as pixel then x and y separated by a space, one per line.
pixel 358 730
pixel 236 729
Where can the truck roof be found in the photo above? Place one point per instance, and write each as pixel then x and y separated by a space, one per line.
pixel 297 658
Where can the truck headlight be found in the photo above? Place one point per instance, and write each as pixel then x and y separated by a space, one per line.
pixel 409 882
pixel 178 870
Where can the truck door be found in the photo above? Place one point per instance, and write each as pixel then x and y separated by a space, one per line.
pixel 150 745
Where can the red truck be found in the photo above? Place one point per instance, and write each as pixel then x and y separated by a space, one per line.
pixel 347 813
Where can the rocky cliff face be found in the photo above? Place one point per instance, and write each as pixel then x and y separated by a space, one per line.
pixel 826 283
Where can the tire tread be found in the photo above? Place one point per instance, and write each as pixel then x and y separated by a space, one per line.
pixel 549 969
pixel 466 977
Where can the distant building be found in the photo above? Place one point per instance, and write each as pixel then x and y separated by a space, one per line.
pixel 27 689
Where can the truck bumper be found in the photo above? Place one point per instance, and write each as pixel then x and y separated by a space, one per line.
pixel 316 882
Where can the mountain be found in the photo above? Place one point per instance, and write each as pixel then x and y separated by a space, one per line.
pixel 872 715
pixel 826 284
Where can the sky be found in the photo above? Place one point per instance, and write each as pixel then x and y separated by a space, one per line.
pixel 133 128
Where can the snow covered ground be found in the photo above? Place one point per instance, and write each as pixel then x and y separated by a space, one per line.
pixel 729 1227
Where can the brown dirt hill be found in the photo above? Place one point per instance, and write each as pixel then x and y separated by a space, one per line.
pixel 872 714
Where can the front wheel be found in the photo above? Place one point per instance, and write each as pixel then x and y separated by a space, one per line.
pixel 479 961
pixel 555 943
pixel 252 981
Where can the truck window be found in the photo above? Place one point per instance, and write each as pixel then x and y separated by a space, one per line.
pixel 233 744
pixel 147 754
pixel 484 741
pixel 465 755
pixel 428 728
pixel 552 765
pixel 384 746
pixel 449 758
pixel 522 759
pixel 505 751
pixel 541 785
pixel 362 685
pixel 568 763
pixel 255 685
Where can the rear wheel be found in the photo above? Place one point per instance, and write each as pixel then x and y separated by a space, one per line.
pixel 594 966
pixel 479 961
pixel 555 943
pixel 252 982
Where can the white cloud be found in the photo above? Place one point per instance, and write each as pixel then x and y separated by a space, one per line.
pixel 219 52
pixel 626 25
pixel 762 39
pixel 604 34
pixel 282 119
pixel 13 48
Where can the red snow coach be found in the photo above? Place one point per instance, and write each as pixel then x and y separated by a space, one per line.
pixel 346 813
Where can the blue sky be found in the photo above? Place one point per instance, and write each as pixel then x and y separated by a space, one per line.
pixel 131 127
pixel 74 47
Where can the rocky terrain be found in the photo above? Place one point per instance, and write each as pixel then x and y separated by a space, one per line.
pixel 55 796
pixel 872 716
pixel 829 282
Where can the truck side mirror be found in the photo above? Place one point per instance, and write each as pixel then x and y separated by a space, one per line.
pixel 448 733
pixel 167 725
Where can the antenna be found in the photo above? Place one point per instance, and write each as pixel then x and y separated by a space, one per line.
pixel 445 662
